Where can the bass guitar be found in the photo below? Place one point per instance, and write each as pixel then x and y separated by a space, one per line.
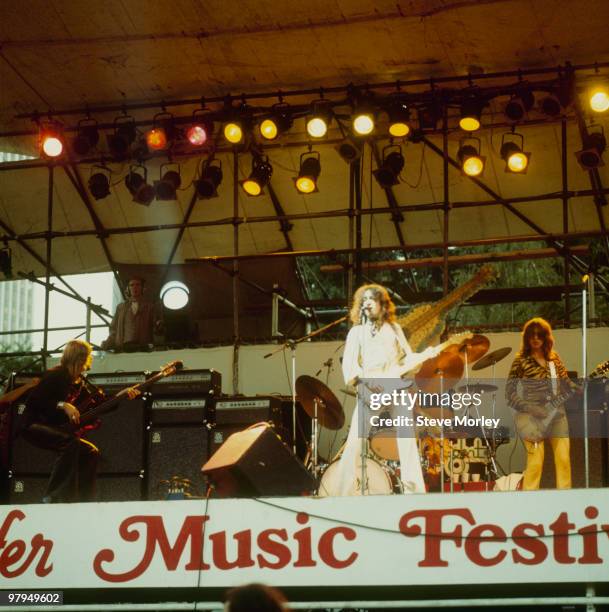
pixel 534 428
pixel 95 412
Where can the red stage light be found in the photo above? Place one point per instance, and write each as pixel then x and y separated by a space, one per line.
pixel 156 139
pixel 197 135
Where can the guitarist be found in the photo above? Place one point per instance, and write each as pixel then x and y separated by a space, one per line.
pixel 540 373
pixel 50 423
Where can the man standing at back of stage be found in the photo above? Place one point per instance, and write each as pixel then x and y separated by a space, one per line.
pixel 50 423
pixel 133 323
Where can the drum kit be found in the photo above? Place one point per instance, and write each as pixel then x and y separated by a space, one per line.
pixel 438 457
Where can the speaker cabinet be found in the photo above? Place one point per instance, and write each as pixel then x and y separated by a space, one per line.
pixel 121 438
pixel 176 451
pixel 128 487
pixel 27 489
pixel 256 462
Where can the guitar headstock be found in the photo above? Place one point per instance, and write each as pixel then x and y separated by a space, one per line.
pixel 171 368
pixel 600 370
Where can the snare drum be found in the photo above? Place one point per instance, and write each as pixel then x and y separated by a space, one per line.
pixel 381 480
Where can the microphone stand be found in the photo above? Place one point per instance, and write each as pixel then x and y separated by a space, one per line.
pixel 360 413
pixel 292 344
pixel 585 281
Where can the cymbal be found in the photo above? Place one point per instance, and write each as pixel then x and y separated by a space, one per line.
pixel 475 347
pixel 440 373
pixel 329 411
pixel 492 358
pixel 477 388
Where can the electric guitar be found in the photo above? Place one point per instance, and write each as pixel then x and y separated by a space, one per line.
pixel 95 412
pixel 534 428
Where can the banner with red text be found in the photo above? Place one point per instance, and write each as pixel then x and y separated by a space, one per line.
pixel 469 538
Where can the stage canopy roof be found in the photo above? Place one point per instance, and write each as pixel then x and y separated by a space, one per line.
pixel 57 55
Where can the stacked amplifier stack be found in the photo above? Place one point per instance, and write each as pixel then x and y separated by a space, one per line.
pixel 178 431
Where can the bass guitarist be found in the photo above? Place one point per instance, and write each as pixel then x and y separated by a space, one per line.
pixel 537 375
pixel 51 422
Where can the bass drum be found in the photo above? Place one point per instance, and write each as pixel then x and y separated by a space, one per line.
pixel 380 480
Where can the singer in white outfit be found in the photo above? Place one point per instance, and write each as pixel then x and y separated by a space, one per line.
pixel 375 348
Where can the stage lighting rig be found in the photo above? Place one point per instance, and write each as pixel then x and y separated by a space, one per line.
pixel 388 174
pixel 319 118
pixel 210 179
pixel 280 121
pixel 122 137
pixel 310 169
pixel 136 183
pixel 174 295
pixel 238 121
pixel 515 158
pixel 259 176
pixel 593 147
pixel 472 163
pixel 86 138
pixel 99 183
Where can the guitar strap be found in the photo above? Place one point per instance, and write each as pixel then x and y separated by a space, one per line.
pixel 553 377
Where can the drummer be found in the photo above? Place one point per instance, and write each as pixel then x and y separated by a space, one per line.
pixel 375 347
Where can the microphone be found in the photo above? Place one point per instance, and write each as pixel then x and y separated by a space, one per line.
pixel 363 313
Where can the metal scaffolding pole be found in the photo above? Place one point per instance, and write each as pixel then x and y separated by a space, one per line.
pixel 236 223
pixel 565 217
pixel 445 228
pixel 47 291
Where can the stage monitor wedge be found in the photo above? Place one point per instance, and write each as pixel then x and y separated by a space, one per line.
pixel 255 462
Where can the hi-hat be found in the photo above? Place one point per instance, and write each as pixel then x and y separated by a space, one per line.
pixel 310 392
pixel 492 358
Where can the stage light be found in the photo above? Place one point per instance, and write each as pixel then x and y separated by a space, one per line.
pixel 310 169
pixel 51 141
pixel 363 121
pixel 519 105
pixel 258 178
pixel 429 114
pixel 99 184
pixel 156 139
pixel 201 129
pixel 86 138
pixel 233 132
pixel 136 183
pixel 350 151
pixel 399 118
pixel 174 295
pixel 593 147
pixel 170 181
pixel 550 105
pixel 278 123
pixel 122 137
pixel 516 160
pixel 472 163
pixel 471 111
pixel 319 118
pixel 388 174
pixel 599 99
pixel 163 132
pixel 211 177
